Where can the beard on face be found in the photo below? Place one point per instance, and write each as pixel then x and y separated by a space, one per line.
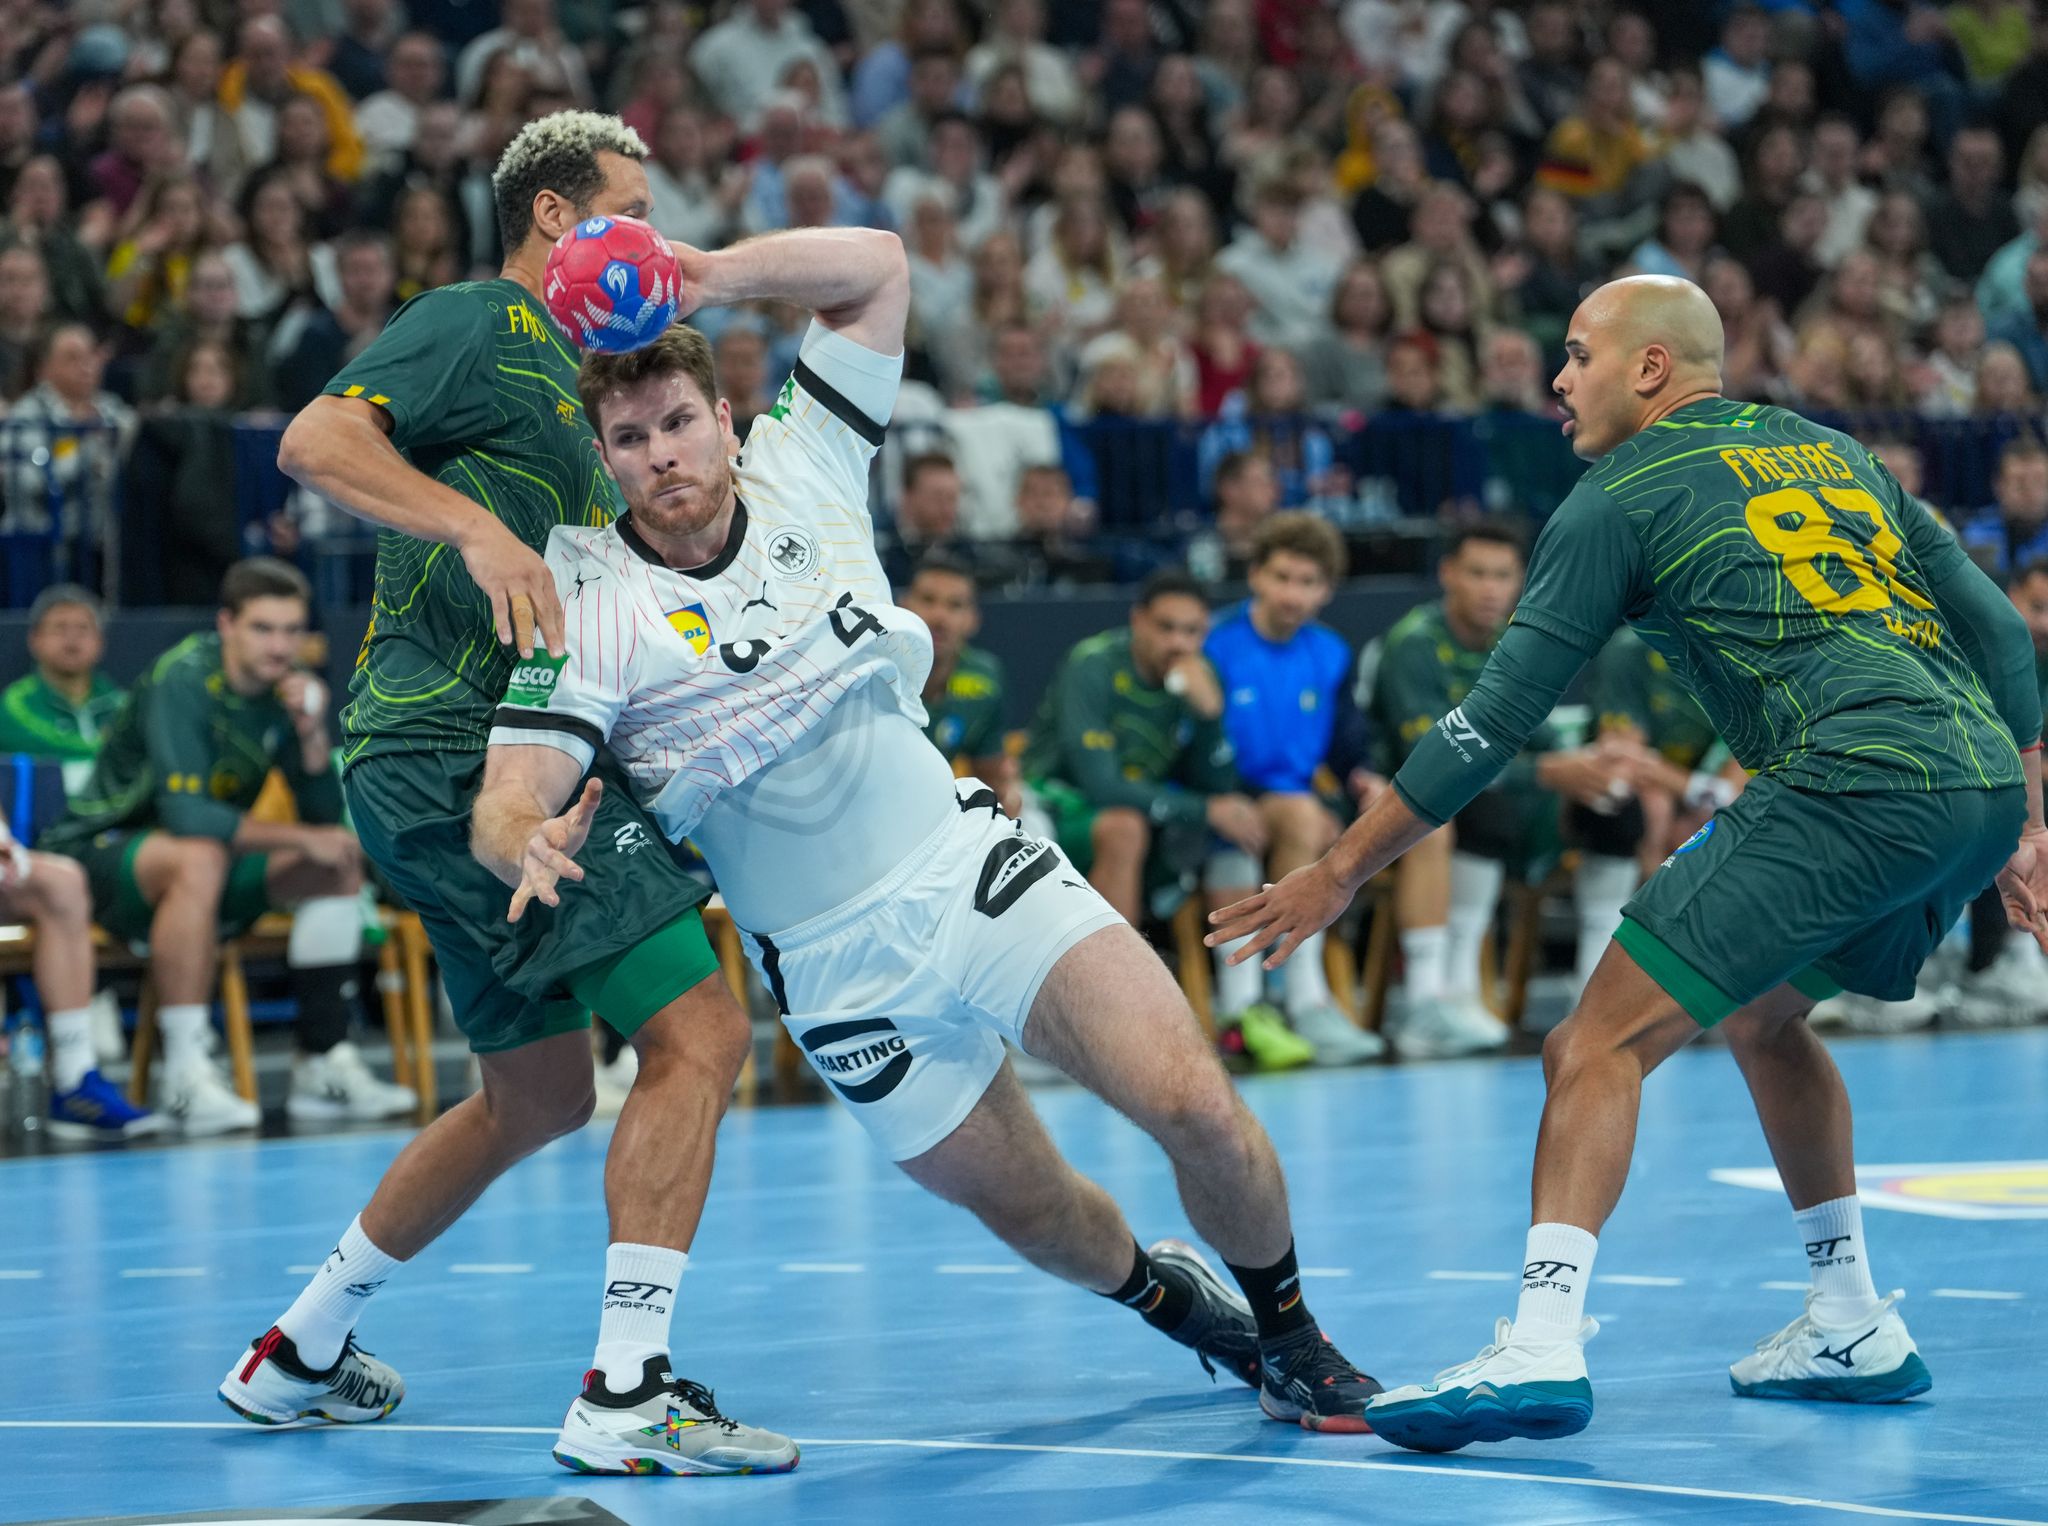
pixel 685 513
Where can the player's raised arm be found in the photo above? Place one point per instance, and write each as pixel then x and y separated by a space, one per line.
pixel 855 279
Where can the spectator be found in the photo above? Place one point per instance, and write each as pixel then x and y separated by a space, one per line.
pixel 24 309
pixel 436 159
pixel 1227 53
pixel 1132 158
pixel 530 38
pixel 1048 518
pixel 2001 290
pixel 966 356
pixel 1018 37
pixel 222 709
pixel 1129 758
pixel 1973 217
pixel 1596 154
pixel 1693 150
pixel 1263 125
pixel 1290 284
pixel 958 174
pixel 1289 715
pixel 301 158
pixel 1849 302
pixel 1993 37
pixel 184 452
pixel 1774 178
pixel 1833 177
pixel 276 263
pixel 36 216
pixel 18 128
pixel 1550 76
pixel 1901 42
pixel 1896 156
pixel 60 710
pixel 885 75
pixel 1684 236
pixel 1180 104
pixel 1345 367
pixel 695 202
pixel 1164 376
pixel 1412 379
pixel 741 61
pixel 315 342
pixel 965 690
pixel 1544 277
pixel 1791 101
pixel 2028 332
pixel 262 77
pixel 741 357
pixel 1947 384
pixel 1787 271
pixel 1440 233
pixel 1019 141
pixel 1756 342
pixel 1382 212
pixel 1119 70
pixel 927 516
pixel 1450 316
pixel 213 143
pixel 1183 253
pixel 941 277
pixel 208 313
pixel 2013 530
pixel 2003 387
pixel 357 54
pixel 935 88
pixel 389 119
pixel 1529 464
pixel 167 228
pixel 1071 283
pixel 140 146
pixel 1014 429
pixel 1247 496
pixel 65 442
pixel 1267 418
pixel 1737 74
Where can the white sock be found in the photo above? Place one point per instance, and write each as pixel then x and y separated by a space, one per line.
pixel 640 1283
pixel 1555 1270
pixel 1422 963
pixel 1837 1260
pixel 1475 892
pixel 326 930
pixel 333 1301
pixel 183 1028
pixel 71 1052
pixel 1601 887
pixel 1304 982
pixel 1238 986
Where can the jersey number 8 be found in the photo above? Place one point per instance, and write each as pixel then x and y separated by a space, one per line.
pixel 1813 533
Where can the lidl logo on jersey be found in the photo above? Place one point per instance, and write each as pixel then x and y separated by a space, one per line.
pixel 693 625
pixel 533 681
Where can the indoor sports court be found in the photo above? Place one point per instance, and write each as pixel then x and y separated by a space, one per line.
pixel 930 1376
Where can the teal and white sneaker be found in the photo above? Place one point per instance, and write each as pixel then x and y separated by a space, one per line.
pixel 1872 1361
pixel 1515 1387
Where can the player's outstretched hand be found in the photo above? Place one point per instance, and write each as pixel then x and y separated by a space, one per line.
pixel 2023 886
pixel 550 853
pixel 512 573
pixel 1280 916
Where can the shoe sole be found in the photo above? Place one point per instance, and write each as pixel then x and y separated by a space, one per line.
pixel 1906 1381
pixel 320 1110
pixel 1195 1264
pixel 639 1464
pixel 87 1133
pixel 1308 1420
pixel 1532 1411
pixel 206 1130
pixel 281 1420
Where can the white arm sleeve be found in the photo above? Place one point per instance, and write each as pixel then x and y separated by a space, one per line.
pixel 835 405
pixel 571 702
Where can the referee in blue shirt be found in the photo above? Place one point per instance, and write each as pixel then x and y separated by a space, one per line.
pixel 1289 711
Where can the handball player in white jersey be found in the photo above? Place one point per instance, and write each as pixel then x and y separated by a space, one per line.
pixel 733 641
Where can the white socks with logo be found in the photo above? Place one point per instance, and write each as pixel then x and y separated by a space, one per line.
pixel 333 1301
pixel 1475 892
pixel 1556 1267
pixel 182 1026
pixel 640 1283
pixel 1422 965
pixel 1832 1234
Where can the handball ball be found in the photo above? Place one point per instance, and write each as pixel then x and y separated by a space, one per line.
pixel 613 283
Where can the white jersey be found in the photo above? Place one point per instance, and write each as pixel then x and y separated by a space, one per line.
pixel 701 679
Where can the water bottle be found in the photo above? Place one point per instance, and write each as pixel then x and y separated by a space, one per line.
pixel 27 1086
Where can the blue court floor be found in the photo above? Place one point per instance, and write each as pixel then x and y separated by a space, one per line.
pixel 931 1378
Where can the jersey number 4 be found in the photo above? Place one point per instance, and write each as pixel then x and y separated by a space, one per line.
pixel 1796 528
pixel 848 620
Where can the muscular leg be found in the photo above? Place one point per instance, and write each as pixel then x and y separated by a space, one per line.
pixel 182 878
pixel 1002 1166
pixel 658 1169
pixel 1111 1017
pixel 55 899
pixel 1121 838
pixel 1799 1096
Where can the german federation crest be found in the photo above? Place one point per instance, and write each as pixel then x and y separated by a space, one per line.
pixel 792 552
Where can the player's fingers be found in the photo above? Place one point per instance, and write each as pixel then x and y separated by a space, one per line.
pixel 522 624
pixel 549 607
pixel 586 803
pixel 1256 941
pixel 1237 911
pixel 1286 950
pixel 558 864
pixel 519 899
pixel 500 619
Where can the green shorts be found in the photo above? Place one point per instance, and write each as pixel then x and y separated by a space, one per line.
pixel 626 940
pixel 108 859
pixel 1827 892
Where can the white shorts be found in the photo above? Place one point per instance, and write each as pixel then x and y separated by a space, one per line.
pixel 903 996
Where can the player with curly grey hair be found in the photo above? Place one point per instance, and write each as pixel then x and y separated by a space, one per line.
pixel 459 429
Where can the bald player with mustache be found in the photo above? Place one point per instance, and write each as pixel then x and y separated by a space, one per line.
pixel 1881 690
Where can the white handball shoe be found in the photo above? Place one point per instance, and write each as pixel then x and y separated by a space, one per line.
pixel 2010 992
pixel 1442 1030
pixel 270 1385
pixel 1336 1038
pixel 198 1099
pixel 1869 1361
pixel 666 1425
pixel 338 1085
pixel 614 1082
pixel 1521 1385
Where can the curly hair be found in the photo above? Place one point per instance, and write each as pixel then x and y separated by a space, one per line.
pixel 557 153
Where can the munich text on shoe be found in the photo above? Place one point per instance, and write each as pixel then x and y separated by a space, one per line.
pixel 1307 1380
pixel 1514 1387
pixel 98 1109
pixel 665 1425
pixel 1869 1361
pixel 1219 1328
pixel 270 1385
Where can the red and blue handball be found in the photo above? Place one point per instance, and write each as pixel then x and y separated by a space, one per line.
pixel 613 283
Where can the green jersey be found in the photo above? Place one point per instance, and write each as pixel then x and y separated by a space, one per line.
pixel 1123 742
pixel 1419 671
pixel 2041 677
pixel 1784 576
pixel 481 390
pixel 189 755
pixel 967 719
pixel 38 720
pixel 1631 684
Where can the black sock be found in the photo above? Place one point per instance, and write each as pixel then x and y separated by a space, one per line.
pixel 1161 1298
pixel 326 994
pixel 1274 1293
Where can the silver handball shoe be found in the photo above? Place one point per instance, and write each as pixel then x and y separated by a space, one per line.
pixel 270 1385
pixel 665 1425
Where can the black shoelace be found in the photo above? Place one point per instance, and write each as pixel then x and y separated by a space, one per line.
pixel 701 1399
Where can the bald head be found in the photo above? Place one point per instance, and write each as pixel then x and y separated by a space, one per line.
pixel 1636 349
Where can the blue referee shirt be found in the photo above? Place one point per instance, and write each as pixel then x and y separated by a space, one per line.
pixel 1287 707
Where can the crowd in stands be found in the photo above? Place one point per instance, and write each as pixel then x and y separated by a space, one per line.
pixel 1266 227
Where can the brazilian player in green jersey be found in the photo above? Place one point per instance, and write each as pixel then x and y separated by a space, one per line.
pixel 460 432
pixel 1881 690
pixel 964 694
pixel 62 710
